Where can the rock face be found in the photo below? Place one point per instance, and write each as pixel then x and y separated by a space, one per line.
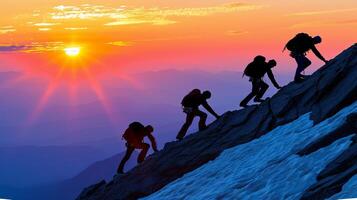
pixel 327 91
pixel 339 171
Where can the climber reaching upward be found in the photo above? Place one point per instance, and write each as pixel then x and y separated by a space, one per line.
pixel 299 46
pixel 190 104
pixel 134 136
pixel 256 71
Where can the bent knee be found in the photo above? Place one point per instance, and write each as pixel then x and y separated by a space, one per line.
pixel 307 62
pixel 146 146
pixel 265 86
pixel 204 115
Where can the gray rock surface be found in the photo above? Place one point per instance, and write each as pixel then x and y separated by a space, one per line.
pixel 334 176
pixel 331 179
pixel 346 129
pixel 331 88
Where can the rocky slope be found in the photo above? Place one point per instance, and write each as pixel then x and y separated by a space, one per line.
pixel 326 92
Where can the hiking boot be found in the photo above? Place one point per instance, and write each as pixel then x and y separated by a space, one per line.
pixel 299 80
pixel 243 105
pixel 305 76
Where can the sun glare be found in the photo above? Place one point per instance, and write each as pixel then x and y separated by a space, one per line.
pixel 72 51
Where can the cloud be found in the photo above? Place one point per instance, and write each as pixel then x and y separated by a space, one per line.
pixel 121 43
pixel 322 12
pixel 157 22
pixel 85 11
pixel 45 24
pixel 34 47
pixel 123 15
pixel 235 32
pixel 12 48
pixel 7 29
pixel 44 29
pixel 4 31
pixel 202 11
pixel 75 28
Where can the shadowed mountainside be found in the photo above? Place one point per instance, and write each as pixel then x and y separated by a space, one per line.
pixel 326 92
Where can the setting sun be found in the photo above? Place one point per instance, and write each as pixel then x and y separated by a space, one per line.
pixel 72 51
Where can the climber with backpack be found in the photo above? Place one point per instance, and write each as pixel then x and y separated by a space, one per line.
pixel 298 47
pixel 256 71
pixel 134 136
pixel 190 105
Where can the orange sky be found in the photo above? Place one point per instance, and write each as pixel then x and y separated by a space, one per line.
pixel 118 38
pixel 150 35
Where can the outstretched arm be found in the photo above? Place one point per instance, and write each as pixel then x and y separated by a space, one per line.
pixel 209 109
pixel 153 142
pixel 272 79
pixel 318 54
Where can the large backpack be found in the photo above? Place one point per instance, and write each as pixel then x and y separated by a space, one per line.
pixel 187 100
pixel 132 130
pixel 301 43
pixel 254 70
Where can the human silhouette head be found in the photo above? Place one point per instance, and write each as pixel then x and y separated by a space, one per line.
pixel 259 59
pixel 272 63
pixel 316 39
pixel 206 94
pixel 149 129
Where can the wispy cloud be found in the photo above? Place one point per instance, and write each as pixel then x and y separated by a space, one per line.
pixel 12 48
pixel 44 29
pixel 123 15
pixel 121 43
pixel 45 24
pixel 322 12
pixel 4 31
pixel 85 11
pixel 155 21
pixel 7 29
pixel 35 47
pixel 235 32
pixel 75 28
pixel 202 11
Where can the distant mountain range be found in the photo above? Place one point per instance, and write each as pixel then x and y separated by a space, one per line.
pixel 30 165
pixel 69 188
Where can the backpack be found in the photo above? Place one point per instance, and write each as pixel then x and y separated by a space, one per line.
pixel 254 70
pixel 187 100
pixel 301 43
pixel 130 133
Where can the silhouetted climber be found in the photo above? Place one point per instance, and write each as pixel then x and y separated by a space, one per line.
pixel 190 104
pixel 256 71
pixel 299 46
pixel 134 136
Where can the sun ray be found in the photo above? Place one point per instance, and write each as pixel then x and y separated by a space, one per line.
pixel 103 99
pixel 45 97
